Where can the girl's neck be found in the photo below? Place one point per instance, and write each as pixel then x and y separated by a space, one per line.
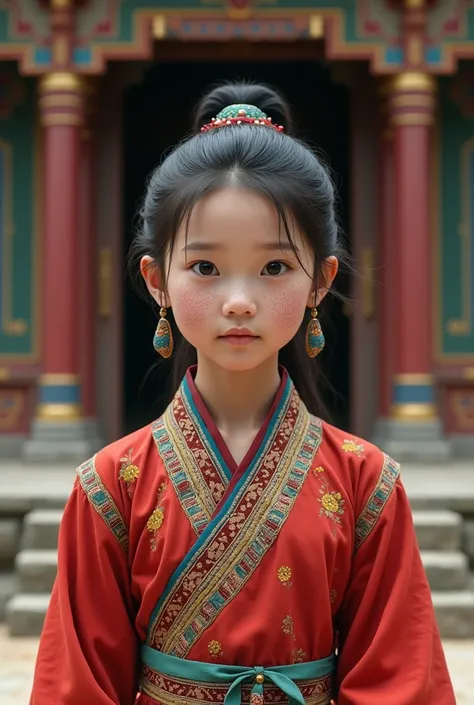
pixel 237 401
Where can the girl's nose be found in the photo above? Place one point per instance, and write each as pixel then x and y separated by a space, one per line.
pixel 239 304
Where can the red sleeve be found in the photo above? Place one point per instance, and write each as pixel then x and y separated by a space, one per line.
pixel 88 648
pixel 390 648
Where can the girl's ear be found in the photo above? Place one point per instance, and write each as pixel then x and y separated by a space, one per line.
pixel 153 280
pixel 327 274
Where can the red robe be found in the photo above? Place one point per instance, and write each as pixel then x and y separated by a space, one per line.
pixel 307 545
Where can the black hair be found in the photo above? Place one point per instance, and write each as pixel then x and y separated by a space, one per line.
pixel 274 164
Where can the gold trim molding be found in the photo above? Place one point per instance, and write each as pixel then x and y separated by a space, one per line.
pixel 61 81
pixel 412 81
pixel 59 378
pixel 59 412
pixel 413 412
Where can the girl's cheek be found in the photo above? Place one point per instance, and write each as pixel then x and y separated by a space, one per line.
pixel 287 306
pixel 191 305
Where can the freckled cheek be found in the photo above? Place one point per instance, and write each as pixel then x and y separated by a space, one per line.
pixel 192 306
pixel 286 306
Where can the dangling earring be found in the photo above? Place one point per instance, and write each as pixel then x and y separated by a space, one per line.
pixel 163 338
pixel 314 335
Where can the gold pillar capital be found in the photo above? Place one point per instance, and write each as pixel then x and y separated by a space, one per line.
pixel 414 4
pixel 411 81
pixel 62 81
pixel 62 98
pixel 411 99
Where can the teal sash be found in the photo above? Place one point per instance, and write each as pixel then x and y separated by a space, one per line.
pixel 283 677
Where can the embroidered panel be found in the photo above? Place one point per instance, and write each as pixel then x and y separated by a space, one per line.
pixel 377 501
pixel 178 691
pixel 233 547
pixel 205 443
pixel 102 501
pixel 188 481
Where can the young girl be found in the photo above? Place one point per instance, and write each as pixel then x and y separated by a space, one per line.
pixel 240 549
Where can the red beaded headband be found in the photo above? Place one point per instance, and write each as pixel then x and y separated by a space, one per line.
pixel 239 114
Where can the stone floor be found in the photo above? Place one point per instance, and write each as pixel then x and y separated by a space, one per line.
pixel 17 658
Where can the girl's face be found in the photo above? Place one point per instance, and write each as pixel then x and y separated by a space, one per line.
pixel 237 290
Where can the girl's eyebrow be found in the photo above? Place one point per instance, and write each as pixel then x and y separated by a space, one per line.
pixel 282 246
pixel 208 246
pixel 193 246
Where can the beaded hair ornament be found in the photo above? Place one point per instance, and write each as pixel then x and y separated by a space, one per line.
pixel 241 114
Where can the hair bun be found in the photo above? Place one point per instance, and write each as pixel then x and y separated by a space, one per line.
pixel 267 99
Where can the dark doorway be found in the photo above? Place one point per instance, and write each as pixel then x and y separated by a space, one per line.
pixel 158 114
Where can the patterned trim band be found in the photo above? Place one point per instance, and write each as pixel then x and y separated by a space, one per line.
pixel 370 515
pixel 102 501
pixel 241 114
pixel 169 690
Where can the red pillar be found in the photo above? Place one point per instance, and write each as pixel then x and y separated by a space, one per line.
pixel 87 267
pixel 61 109
pixel 386 309
pixel 411 103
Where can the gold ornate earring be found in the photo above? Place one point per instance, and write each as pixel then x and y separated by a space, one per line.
pixel 314 335
pixel 163 338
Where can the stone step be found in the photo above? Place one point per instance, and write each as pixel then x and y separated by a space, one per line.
pixel 9 539
pixel 438 530
pixel 455 614
pixel 25 614
pixel 36 570
pixel 41 527
pixel 8 587
pixel 446 570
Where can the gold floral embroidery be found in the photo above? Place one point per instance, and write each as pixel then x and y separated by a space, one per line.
pixel 332 502
pixel 128 470
pixel 287 626
pixel 317 471
pixel 215 647
pixel 350 446
pixel 155 522
pixel 284 575
pixel 298 656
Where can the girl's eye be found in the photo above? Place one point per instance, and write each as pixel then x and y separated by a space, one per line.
pixel 206 269
pixel 273 269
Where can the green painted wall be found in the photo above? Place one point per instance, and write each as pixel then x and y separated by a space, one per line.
pixel 455 246
pixel 18 230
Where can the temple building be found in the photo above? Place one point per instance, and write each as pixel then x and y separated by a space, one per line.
pixel 93 93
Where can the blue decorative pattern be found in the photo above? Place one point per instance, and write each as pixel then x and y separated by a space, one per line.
pixel 102 501
pixel 370 515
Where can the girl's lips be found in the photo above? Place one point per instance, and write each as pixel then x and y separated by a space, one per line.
pixel 239 336
pixel 245 332
pixel 239 339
